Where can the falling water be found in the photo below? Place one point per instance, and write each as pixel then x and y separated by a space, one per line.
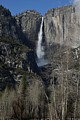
pixel 40 49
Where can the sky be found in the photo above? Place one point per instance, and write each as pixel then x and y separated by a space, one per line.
pixel 42 6
pixel 76 0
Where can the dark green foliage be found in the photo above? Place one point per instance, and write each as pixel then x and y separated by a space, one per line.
pixel 24 84
pixel 4 11
pixel 70 106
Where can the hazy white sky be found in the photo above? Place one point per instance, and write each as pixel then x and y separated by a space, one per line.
pixel 76 0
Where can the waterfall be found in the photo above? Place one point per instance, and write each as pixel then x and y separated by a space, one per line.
pixel 40 48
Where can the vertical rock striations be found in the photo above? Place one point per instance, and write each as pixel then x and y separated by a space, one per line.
pixel 62 26
pixel 61 29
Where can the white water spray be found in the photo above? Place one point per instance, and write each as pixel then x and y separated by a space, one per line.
pixel 40 48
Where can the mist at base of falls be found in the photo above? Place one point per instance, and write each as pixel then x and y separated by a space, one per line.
pixel 41 60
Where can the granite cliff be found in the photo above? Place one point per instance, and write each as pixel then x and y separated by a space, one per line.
pixel 16 54
pixel 62 26
pixel 61 30
pixel 29 22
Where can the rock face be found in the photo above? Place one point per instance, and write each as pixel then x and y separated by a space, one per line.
pixel 29 22
pixel 15 60
pixel 61 29
pixel 8 26
pixel 24 27
pixel 62 26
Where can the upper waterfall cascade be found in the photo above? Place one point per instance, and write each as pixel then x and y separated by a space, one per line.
pixel 41 60
pixel 40 48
